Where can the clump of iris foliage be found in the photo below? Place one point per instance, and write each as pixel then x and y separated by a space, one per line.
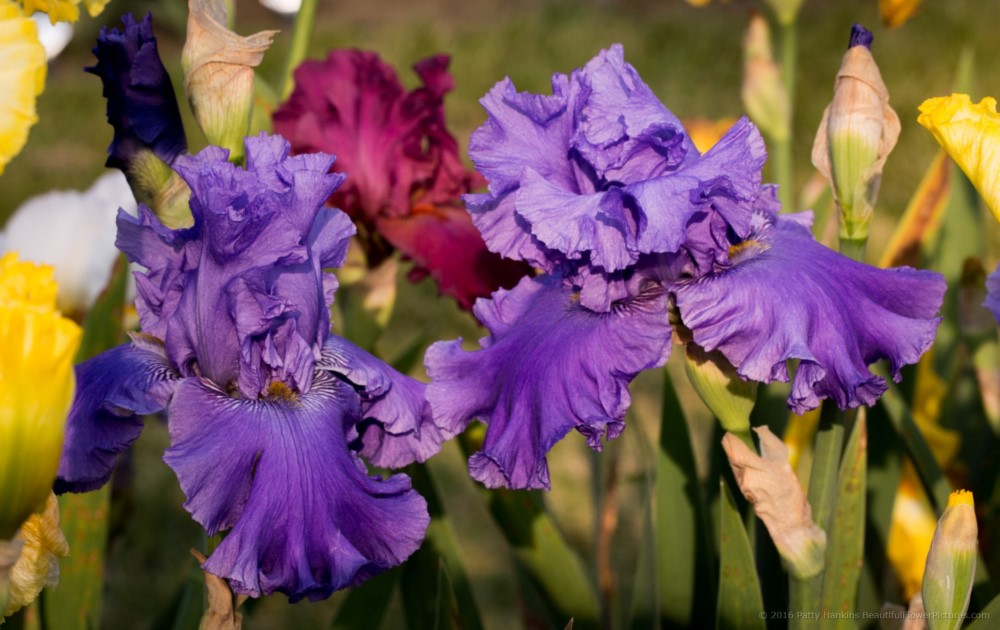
pixel 374 336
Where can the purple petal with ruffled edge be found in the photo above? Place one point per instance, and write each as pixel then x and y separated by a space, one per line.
pixel 397 428
pixel 784 296
pixel 625 134
pixel 112 390
pixel 241 297
pixel 142 106
pixel 993 293
pixel 549 366
pixel 523 130
pixel 304 517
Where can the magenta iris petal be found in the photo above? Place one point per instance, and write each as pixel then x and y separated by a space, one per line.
pixel 784 296
pixel 406 175
pixel 114 389
pixel 304 518
pixel 142 106
pixel 549 366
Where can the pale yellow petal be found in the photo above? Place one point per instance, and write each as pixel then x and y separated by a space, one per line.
pixel 970 133
pixel 22 77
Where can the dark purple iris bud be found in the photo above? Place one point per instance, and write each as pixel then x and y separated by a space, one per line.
pixel 142 107
pixel 861 36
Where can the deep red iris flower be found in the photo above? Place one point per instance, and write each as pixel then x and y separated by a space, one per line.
pixel 405 177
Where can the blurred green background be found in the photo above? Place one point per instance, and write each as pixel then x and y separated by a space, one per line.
pixel 690 57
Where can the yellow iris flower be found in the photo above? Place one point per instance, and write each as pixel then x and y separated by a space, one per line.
pixel 22 77
pixel 37 347
pixel 970 133
pixel 63 10
pixel 23 65
pixel 895 12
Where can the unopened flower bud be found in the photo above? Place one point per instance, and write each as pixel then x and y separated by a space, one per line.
pixel 722 390
pixel 764 95
pixel 951 563
pixel 218 74
pixel 769 484
pixel 858 131
pixel 785 10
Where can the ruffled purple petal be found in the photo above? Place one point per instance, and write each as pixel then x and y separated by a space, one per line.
pixel 396 427
pixel 624 133
pixel 993 293
pixel 168 255
pixel 142 106
pixel 549 366
pixel 304 517
pixel 784 296
pixel 241 298
pixel 112 390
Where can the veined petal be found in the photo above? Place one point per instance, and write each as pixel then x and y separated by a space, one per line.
pixel 970 133
pixel 396 427
pixel 113 390
pixel 304 517
pixel 549 366
pixel 784 296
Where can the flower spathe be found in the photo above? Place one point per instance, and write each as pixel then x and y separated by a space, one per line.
pixel 599 186
pixel 266 409
pixel 22 78
pixel 405 172
pixel 970 133
pixel 37 346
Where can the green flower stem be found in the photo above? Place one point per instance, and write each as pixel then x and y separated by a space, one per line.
pixel 9 552
pixel 804 595
pixel 783 162
pixel 853 248
pixel 297 50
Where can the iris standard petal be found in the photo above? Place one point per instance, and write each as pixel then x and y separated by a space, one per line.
pixel 784 296
pixel 304 517
pixel 549 366
pixel 113 390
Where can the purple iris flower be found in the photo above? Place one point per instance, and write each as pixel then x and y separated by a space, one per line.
pixel 142 107
pixel 993 293
pixel 268 411
pixel 599 186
